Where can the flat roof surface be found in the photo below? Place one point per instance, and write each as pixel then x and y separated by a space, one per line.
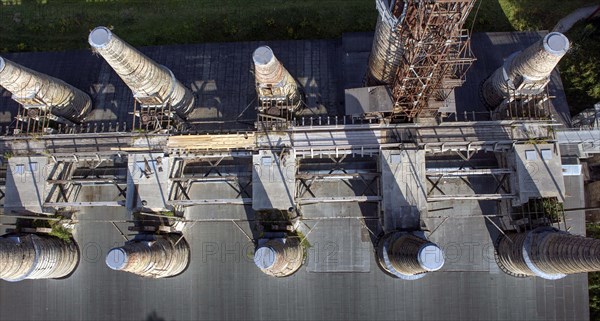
pixel 220 76
pixel 222 281
pixel 26 183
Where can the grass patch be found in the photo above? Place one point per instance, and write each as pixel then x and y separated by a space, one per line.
pixel 47 25
pixel 58 230
pixel 61 232
pixel 523 15
pixel 167 213
pixel 489 17
pixel 303 240
pixel 538 14
pixel 580 68
pixel 538 208
pixel 59 25
pixel 593 230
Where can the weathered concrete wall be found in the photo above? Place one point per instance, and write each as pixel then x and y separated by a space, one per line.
pixel 592 199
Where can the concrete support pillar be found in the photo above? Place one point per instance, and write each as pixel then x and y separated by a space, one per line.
pixel 279 257
pixel 273 81
pixel 409 256
pixel 386 53
pixel 150 82
pixel 152 256
pixel 31 256
pixel 547 253
pixel 526 72
pixel 34 88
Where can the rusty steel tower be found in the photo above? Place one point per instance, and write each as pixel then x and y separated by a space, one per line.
pixel 431 58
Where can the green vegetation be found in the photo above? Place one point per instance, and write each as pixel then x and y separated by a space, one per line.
pixel 61 232
pixel 593 230
pixel 580 69
pixel 303 240
pixel 167 213
pixel 538 14
pixel 58 230
pixel 552 209
pixel 272 217
pixel 32 25
pixel 521 15
pixel 538 208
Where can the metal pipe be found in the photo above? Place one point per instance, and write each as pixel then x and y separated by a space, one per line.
pixel 409 256
pixel 387 49
pixel 272 79
pixel 152 256
pixel 547 253
pixel 30 87
pixel 31 256
pixel 279 257
pixel 151 83
pixel 526 72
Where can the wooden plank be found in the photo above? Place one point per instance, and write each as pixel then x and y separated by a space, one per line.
pixel 219 142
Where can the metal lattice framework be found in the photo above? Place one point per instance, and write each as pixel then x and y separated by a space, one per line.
pixel 67 177
pixel 148 118
pixel 436 53
pixel 195 171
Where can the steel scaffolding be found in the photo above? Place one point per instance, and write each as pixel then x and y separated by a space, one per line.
pixel 436 54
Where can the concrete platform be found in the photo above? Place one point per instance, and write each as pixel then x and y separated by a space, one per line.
pixel 148 175
pixel 404 192
pixel 341 245
pixel 468 287
pixel 273 180
pixel 538 172
pixel 26 184
pixel 222 281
